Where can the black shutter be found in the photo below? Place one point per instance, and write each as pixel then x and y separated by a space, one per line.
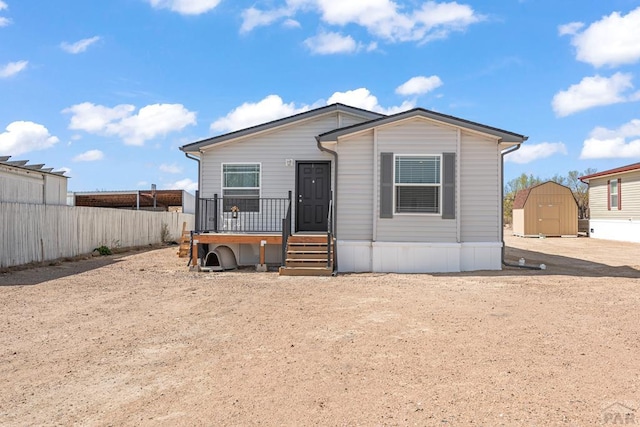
pixel 386 185
pixel 448 185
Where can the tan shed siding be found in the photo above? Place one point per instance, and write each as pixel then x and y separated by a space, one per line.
pixel 480 189
pixel 295 142
pixel 417 136
pixel 355 188
pixel 550 194
pixel 630 187
pixel 518 222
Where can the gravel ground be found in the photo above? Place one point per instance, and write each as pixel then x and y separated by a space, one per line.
pixel 137 339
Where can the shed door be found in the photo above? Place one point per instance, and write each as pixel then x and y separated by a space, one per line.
pixel 313 186
pixel 549 219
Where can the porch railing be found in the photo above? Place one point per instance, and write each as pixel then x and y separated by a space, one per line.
pixel 330 232
pixel 286 232
pixel 241 214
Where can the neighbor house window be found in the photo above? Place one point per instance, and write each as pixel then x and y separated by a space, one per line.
pixel 417 184
pixel 241 187
pixel 614 194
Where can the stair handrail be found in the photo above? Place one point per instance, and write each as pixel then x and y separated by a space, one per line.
pixel 286 231
pixel 329 230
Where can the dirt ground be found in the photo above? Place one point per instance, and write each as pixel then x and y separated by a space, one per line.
pixel 137 339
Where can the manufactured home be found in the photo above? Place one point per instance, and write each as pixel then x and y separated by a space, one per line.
pixel 614 203
pixel 341 189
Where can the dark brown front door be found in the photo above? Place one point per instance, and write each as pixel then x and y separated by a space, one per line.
pixel 313 188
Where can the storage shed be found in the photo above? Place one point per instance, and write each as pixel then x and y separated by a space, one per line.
pixel 21 182
pixel 547 209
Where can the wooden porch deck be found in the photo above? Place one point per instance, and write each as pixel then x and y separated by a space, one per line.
pixel 306 257
pixel 230 238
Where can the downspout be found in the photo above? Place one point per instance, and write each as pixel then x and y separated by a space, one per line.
pixel 197 214
pixel 503 250
pixel 335 203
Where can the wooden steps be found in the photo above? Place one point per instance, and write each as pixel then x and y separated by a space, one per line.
pixel 185 242
pixel 307 256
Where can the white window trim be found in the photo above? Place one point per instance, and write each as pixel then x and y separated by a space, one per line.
pixel 222 187
pixel 613 199
pixel 395 206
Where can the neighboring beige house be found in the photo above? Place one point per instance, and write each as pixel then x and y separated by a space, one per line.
pixel 547 209
pixel 614 203
pixel 21 182
pixel 417 191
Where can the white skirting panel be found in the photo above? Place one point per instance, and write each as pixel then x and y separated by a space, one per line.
pixel 481 256
pixel 627 230
pixel 405 257
pixel 354 256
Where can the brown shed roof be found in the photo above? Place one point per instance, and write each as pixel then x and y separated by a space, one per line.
pixel 521 198
pixel 128 199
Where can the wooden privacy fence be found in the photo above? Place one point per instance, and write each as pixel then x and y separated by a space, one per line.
pixel 36 233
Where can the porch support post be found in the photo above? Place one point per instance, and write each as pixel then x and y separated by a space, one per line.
pixel 195 265
pixel 262 267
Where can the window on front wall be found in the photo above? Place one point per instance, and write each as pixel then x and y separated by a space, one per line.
pixel 417 184
pixel 241 187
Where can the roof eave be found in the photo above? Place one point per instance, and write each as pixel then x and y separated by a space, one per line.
pixel 502 135
pixel 196 147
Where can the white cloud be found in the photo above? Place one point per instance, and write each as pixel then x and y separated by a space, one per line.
pixel 253 18
pixel 606 143
pixel 13 68
pixel 291 23
pixel 362 98
pixel 419 85
pixel 150 122
pixel 381 18
pixel 4 21
pixel 571 28
pixel 532 152
pixel 79 46
pixel 593 92
pixel 331 43
pixel 22 137
pixel 185 7
pixel 612 41
pixel 250 114
pixel 170 168
pixel 183 184
pixel 273 107
pixel 89 156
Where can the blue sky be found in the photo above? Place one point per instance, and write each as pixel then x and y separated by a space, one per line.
pixel 109 90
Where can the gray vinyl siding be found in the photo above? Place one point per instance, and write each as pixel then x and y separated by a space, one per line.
pixel 296 142
pixel 355 188
pixel 415 137
pixel 630 187
pixel 480 189
pixel 271 150
pixel 345 120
